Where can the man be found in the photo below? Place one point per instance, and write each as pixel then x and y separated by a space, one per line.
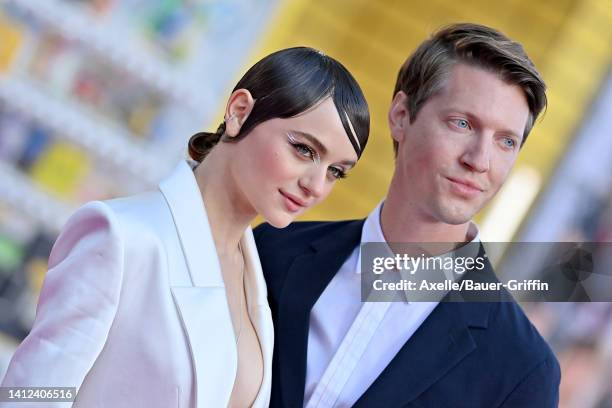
pixel 463 105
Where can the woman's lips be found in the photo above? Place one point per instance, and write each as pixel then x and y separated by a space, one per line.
pixel 292 203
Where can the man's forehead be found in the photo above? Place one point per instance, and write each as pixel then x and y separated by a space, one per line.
pixel 484 95
pixel 464 77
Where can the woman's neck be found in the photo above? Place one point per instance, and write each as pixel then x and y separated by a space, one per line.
pixel 229 213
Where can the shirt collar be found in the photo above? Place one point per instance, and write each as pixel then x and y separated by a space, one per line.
pixel 372 232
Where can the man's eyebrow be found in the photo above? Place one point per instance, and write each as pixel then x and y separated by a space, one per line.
pixel 512 133
pixel 475 118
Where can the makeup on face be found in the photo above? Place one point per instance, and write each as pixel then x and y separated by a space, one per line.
pixel 287 165
pixel 337 171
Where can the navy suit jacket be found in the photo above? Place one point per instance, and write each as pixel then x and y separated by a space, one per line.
pixel 470 354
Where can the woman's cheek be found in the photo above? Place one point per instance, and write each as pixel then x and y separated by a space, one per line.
pixel 279 165
pixel 329 187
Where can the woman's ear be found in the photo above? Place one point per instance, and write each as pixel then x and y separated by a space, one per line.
pixel 239 107
pixel 398 116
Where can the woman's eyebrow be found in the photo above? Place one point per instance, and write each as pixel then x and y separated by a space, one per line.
pixel 349 163
pixel 312 139
pixel 320 147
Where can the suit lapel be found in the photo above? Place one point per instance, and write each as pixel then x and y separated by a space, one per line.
pixel 442 341
pixel 199 292
pixel 306 279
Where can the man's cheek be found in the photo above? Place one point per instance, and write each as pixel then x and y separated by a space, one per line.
pixel 499 177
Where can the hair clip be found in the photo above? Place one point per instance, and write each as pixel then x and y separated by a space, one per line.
pixel 353 134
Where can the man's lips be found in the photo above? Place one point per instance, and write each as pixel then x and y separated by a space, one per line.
pixel 467 183
pixel 464 188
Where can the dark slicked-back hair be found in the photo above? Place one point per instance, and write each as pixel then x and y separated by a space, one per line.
pixel 424 72
pixel 289 82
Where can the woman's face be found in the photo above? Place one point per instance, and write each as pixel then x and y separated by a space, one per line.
pixel 285 166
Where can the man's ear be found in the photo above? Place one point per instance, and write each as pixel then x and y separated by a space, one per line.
pixel 239 107
pixel 398 116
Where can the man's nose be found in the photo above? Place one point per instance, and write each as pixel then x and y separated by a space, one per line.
pixel 477 155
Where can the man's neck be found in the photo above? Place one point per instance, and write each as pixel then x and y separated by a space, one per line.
pixel 402 223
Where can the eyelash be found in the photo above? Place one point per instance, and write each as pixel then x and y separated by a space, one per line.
pixel 456 122
pixel 340 174
pixel 306 151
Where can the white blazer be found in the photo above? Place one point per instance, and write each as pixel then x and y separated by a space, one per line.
pixel 133 310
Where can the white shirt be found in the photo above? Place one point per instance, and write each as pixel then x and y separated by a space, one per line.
pixel 351 342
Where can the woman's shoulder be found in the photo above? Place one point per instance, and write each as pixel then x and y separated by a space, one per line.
pixel 144 208
pixel 132 219
pixel 115 210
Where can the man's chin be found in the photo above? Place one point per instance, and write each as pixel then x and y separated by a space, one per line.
pixel 456 216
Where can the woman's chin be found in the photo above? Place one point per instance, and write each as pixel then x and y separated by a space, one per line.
pixel 279 220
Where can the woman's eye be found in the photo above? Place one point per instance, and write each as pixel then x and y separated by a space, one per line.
pixel 337 173
pixel 304 150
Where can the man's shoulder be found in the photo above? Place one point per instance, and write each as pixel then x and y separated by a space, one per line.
pixel 516 338
pixel 300 232
pixel 279 248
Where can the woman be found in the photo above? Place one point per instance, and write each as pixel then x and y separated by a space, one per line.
pixel 158 300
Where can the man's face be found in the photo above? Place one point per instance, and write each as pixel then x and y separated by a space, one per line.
pixel 458 152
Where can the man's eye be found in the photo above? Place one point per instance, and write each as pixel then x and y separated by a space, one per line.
pixel 337 173
pixel 509 142
pixel 462 123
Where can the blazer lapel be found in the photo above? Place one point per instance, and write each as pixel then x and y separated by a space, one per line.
pixel 259 312
pixel 306 279
pixel 211 341
pixel 200 297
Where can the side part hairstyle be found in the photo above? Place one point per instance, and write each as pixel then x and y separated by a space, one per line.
pixel 425 71
pixel 287 83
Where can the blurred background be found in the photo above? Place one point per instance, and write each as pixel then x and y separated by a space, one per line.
pixel 99 97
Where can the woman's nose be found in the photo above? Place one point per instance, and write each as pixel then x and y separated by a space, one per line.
pixel 314 183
